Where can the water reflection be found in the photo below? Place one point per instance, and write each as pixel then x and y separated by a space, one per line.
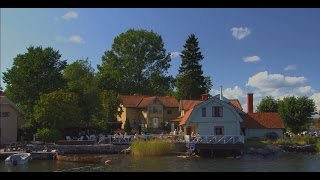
pixel 121 163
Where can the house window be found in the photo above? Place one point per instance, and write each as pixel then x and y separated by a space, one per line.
pixel 204 112
pixel 4 114
pixel 169 111
pixel 218 130
pixel 156 109
pixel 217 111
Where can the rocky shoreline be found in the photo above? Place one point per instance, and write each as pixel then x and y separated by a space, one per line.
pixel 279 151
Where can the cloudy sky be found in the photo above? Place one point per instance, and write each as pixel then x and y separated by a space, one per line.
pixel 265 51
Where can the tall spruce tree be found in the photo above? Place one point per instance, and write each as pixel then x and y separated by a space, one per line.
pixel 190 80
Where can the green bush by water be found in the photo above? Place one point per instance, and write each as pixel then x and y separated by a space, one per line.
pixel 153 147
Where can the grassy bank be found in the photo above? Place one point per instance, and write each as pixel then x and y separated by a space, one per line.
pixel 151 148
pixel 255 143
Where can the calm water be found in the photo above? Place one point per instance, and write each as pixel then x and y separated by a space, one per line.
pixel 292 163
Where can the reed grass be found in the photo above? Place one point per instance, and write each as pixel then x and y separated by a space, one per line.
pixel 155 147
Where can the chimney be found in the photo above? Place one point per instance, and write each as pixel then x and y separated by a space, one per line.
pixel 220 92
pixel 204 97
pixel 250 102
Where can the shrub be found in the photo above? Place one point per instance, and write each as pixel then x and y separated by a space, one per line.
pixel 127 126
pixel 48 135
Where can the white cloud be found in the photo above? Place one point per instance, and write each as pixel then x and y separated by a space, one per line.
pixel 76 39
pixel 316 98
pixel 240 32
pixel 266 81
pixel 251 59
pixel 233 93
pixel 290 67
pixel 175 54
pixel 305 89
pixel 70 15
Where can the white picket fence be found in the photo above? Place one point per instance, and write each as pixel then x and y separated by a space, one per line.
pixel 215 139
pixel 206 139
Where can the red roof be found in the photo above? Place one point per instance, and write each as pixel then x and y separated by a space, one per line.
pixel 236 103
pixel 168 101
pixel 131 101
pixel 142 101
pixel 189 104
pixel 145 101
pixel 185 117
pixel 262 120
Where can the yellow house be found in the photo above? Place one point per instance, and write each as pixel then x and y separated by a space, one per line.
pixel 11 118
pixel 150 111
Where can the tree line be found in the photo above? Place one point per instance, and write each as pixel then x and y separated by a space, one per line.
pixel 296 112
pixel 55 95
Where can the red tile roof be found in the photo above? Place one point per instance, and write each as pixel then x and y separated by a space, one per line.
pixel 262 120
pixel 185 117
pixel 189 104
pixel 145 101
pixel 131 101
pixel 236 103
pixel 168 101
pixel 142 101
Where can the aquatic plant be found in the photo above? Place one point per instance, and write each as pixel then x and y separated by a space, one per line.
pixel 153 147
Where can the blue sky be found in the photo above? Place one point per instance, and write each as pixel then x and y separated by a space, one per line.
pixel 265 51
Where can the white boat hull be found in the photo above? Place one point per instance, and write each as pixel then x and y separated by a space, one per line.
pixel 20 158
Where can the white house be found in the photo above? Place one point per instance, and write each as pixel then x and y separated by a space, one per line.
pixel 214 116
pixel 221 116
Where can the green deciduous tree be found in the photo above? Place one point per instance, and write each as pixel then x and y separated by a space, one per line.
pixel 296 112
pixel 136 63
pixel 37 71
pixel 110 105
pixel 268 104
pixel 81 80
pixel 57 110
pixel 190 80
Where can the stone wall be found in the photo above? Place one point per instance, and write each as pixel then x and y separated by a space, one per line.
pixel 91 149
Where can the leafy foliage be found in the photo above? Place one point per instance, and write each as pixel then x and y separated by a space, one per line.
pixel 48 135
pixel 110 105
pixel 81 80
pixel 37 71
pixel 57 110
pixel 190 81
pixel 137 63
pixel 296 112
pixel 268 104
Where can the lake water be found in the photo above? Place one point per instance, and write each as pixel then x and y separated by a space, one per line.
pixel 121 163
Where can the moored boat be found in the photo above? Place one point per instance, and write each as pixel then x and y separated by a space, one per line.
pixel 79 158
pixel 20 158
